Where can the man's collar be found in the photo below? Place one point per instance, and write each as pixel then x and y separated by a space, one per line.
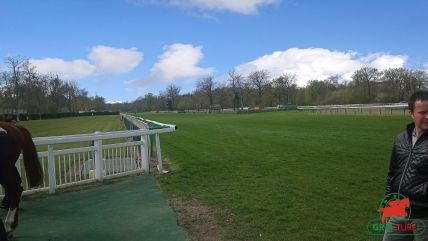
pixel 411 130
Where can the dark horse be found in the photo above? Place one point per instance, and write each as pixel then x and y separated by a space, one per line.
pixel 15 138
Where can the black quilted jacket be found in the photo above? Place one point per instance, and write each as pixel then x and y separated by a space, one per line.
pixel 408 170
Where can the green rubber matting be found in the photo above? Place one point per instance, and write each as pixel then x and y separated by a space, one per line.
pixel 132 208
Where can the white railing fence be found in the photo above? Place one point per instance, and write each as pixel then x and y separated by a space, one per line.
pixel 144 124
pixel 364 109
pixel 79 159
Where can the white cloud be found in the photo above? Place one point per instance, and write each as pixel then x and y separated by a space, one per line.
pixel 178 61
pixel 237 6
pixel 425 68
pixel 101 60
pixel 385 61
pixel 75 69
pixel 318 64
pixel 111 60
pixel 114 102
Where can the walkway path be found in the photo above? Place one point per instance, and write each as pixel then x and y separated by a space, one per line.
pixel 132 208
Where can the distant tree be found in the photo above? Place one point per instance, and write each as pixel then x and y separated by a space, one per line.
pixel 99 103
pixel 13 81
pixel 333 81
pixel 172 94
pixel 32 89
pixel 400 83
pixel 259 79
pixel 236 80
pixel 161 103
pixel 82 100
pixel 365 78
pixel 283 86
pixel 70 90
pixel 337 92
pixel 419 80
pixel 149 102
pixel 56 94
pixel 207 86
pixel 222 93
pixel 199 99
pixel 316 92
pixel 23 89
pixel 186 102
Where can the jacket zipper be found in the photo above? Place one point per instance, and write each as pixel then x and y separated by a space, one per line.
pixel 405 168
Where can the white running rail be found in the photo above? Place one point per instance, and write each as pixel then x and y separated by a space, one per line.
pixel 79 159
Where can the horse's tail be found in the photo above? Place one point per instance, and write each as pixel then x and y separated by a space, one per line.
pixel 33 169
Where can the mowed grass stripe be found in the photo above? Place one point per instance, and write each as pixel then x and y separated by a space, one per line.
pixel 282 175
pixel 73 125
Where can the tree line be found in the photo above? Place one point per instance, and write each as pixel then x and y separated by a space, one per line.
pixel 258 89
pixel 24 90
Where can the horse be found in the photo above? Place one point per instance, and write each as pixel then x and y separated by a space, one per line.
pixel 15 138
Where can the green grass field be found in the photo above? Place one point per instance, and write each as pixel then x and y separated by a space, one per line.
pixel 271 176
pixel 282 175
pixel 74 125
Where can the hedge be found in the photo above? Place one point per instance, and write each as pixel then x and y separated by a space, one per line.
pixel 44 116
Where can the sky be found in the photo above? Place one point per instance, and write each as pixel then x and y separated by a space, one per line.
pixel 124 49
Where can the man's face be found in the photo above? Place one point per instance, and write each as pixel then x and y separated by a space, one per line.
pixel 420 115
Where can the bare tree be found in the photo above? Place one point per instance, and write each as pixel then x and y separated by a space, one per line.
pixel 420 80
pixel 186 102
pixel 149 102
pixel 172 94
pixel 222 93
pixel 161 101
pixel 23 89
pixel 82 101
pixel 99 103
pixel 400 83
pixel 29 86
pixel 207 85
pixel 236 80
pixel 56 94
pixel 366 77
pixel 283 86
pixel 14 82
pixel 259 79
pixel 70 89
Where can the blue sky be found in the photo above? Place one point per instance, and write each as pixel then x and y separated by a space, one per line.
pixel 123 49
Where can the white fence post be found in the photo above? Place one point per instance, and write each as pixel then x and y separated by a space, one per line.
pixel 98 158
pixel 145 158
pixel 142 153
pixel 51 168
pixel 158 154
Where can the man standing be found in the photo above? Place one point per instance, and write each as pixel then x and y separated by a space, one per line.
pixel 408 171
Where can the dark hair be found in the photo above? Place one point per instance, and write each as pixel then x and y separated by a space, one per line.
pixel 418 95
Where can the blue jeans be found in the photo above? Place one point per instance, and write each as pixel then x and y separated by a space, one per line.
pixel 407 233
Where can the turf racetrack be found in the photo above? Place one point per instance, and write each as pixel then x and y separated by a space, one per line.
pixel 282 175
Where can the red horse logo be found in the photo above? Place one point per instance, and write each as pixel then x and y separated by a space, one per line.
pixel 395 208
